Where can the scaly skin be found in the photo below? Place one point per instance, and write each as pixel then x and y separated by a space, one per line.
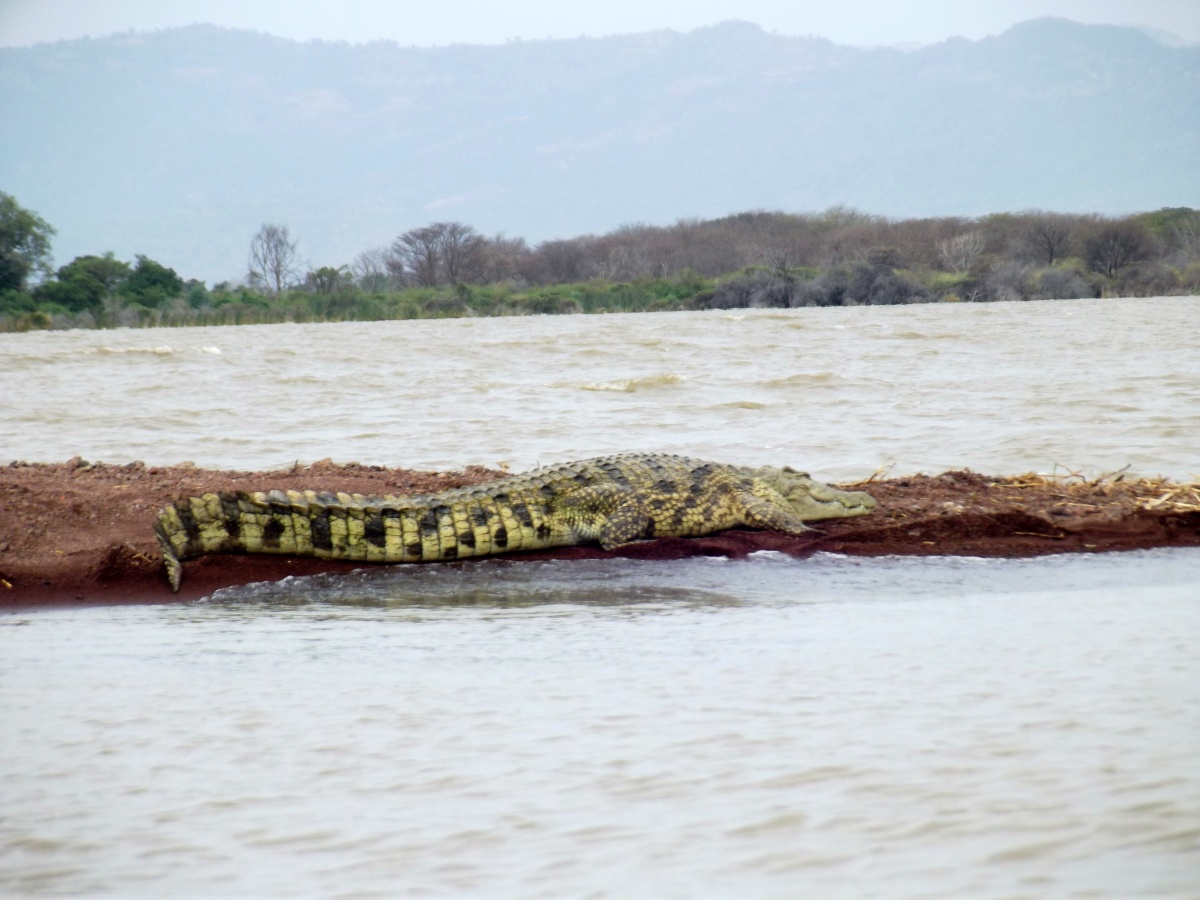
pixel 613 500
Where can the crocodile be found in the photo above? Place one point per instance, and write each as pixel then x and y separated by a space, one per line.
pixel 613 500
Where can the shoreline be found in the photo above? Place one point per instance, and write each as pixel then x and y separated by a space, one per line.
pixel 76 534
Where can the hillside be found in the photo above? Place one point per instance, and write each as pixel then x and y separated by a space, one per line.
pixel 179 144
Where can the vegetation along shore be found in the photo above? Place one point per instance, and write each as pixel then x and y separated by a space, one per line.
pixel 839 257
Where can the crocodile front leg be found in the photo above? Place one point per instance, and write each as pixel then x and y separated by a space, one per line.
pixel 609 513
pixel 762 513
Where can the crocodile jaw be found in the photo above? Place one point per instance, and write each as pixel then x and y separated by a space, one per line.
pixel 812 500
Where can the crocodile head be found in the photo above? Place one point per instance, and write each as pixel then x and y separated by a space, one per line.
pixel 812 500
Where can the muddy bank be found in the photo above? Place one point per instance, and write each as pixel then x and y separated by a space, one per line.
pixel 75 532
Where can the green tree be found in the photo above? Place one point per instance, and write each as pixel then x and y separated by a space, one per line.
pixel 83 283
pixel 112 273
pixel 1177 228
pixel 24 244
pixel 13 301
pixel 328 280
pixel 197 294
pixel 150 283
pixel 76 293
pixel 1164 222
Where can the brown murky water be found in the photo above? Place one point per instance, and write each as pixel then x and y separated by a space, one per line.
pixel 768 727
pixel 1003 387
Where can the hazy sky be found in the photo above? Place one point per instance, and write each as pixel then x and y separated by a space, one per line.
pixel 439 22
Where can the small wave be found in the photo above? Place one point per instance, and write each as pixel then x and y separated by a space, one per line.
pixel 823 379
pixel 163 350
pixel 741 404
pixel 921 336
pixel 805 379
pixel 160 350
pixel 301 379
pixel 631 385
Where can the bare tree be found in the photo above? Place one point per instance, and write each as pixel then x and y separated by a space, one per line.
pixel 557 262
pixel 627 261
pixel 693 244
pixel 776 252
pixel 441 253
pixel 371 270
pixel 1186 236
pixel 273 259
pixel 1049 236
pixel 397 270
pixel 1117 244
pixel 960 251
pixel 850 245
pixel 415 256
pixel 461 251
pixel 502 259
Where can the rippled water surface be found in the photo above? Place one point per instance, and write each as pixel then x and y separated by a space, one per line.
pixel 768 727
pixel 1002 387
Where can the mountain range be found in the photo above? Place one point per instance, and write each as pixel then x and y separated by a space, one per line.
pixel 179 144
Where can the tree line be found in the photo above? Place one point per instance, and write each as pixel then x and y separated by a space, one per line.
pixel 838 257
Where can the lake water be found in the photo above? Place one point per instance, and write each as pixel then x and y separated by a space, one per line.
pixel 1002 387
pixel 767 727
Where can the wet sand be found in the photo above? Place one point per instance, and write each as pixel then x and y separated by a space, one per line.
pixel 79 533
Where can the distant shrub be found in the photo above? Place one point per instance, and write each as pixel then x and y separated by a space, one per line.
pixel 446 307
pixel 753 288
pixel 38 320
pixel 1060 284
pixel 1009 280
pixel 1148 280
pixel 546 304
pixel 882 286
pixel 1189 279
pixel 825 291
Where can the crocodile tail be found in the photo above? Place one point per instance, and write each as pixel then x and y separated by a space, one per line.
pixel 353 527
pixel 237 521
pixel 170 558
pixel 191 527
pixel 294 523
